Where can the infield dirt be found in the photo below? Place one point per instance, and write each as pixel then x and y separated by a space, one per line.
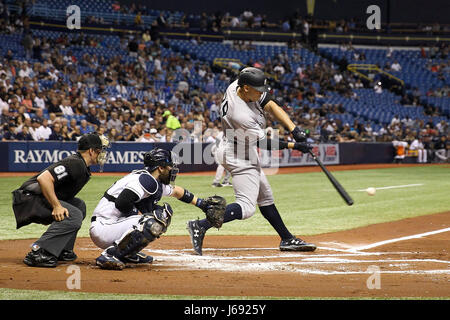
pixel 252 266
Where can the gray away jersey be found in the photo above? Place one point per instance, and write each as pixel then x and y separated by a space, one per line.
pixel 242 121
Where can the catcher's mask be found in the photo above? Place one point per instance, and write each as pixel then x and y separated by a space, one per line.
pixel 156 158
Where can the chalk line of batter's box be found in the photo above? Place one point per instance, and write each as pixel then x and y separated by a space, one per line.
pixel 395 187
pixel 381 243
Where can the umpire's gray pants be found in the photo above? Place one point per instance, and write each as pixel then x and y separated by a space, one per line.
pixel 62 234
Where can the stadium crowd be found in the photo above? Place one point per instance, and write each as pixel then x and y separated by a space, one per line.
pixel 64 111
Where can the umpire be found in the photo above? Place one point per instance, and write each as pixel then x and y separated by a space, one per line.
pixel 49 198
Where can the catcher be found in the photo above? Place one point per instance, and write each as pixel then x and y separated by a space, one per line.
pixel 128 216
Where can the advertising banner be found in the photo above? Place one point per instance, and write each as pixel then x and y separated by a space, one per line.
pixel 328 153
pixel 128 156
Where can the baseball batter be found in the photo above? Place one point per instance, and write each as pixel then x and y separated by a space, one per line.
pixel 128 216
pixel 243 111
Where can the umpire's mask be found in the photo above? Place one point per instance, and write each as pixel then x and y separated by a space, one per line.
pixel 103 155
pixel 96 142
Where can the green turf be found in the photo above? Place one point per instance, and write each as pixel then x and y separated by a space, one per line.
pixel 16 294
pixel 307 202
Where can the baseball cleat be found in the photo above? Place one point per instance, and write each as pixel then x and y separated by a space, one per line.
pixel 197 235
pixel 67 255
pixel 138 258
pixel 216 185
pixel 296 244
pixel 109 262
pixel 38 257
pixel 227 184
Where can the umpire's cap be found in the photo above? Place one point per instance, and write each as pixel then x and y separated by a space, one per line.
pixel 254 78
pixel 90 140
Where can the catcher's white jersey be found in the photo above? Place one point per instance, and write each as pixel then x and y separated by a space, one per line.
pixel 142 183
pixel 110 224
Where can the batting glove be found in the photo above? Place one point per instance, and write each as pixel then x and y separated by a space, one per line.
pixel 303 147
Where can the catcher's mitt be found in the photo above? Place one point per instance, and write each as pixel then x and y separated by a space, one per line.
pixel 214 209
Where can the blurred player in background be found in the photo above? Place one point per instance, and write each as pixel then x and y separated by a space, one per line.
pixel 220 171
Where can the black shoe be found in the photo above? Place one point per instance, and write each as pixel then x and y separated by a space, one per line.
pixel 38 257
pixel 296 244
pixel 197 235
pixel 138 258
pixel 67 255
pixel 108 261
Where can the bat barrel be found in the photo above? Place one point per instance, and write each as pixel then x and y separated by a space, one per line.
pixel 339 188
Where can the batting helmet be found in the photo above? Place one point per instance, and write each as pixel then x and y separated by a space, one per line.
pixel 254 78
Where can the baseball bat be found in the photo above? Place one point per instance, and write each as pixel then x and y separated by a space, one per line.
pixel 339 188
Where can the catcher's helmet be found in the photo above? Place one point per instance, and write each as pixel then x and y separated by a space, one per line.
pixel 254 78
pixel 161 158
pixel 157 158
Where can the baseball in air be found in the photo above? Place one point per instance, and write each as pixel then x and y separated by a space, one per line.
pixel 371 191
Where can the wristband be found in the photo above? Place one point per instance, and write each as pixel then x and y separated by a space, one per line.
pixel 200 203
pixel 187 196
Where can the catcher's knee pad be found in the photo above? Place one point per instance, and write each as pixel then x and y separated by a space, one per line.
pixel 149 228
pixel 156 223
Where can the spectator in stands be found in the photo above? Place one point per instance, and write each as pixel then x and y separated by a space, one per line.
pixel 53 106
pixel 92 117
pixel 84 127
pixel 389 52
pixel 127 134
pixel 400 150
pixel 417 145
pixel 171 121
pixel 378 88
pixel 235 22
pixel 34 129
pixel 44 130
pixel 145 137
pixel 38 101
pixel 9 132
pixel 114 135
pixel 114 122
pixel 442 149
pixel 65 133
pixel 396 66
pixel 24 134
pixel 75 134
pixel 442 127
pixel 56 133
pixel 27 42
pixel 66 108
pixel 161 20
pixel 72 124
pixel 133 47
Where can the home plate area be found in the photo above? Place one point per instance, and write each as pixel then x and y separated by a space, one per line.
pixel 325 261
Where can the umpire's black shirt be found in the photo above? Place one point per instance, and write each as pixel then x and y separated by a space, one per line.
pixel 70 175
